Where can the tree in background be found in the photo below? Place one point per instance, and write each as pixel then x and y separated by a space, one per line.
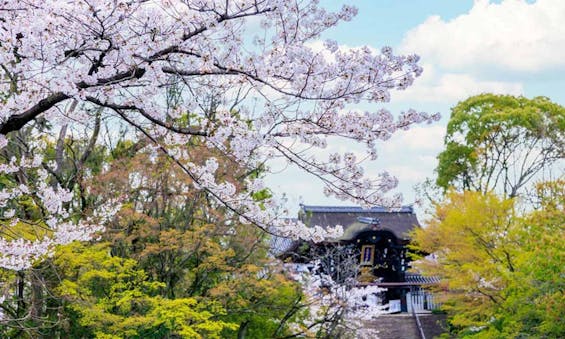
pixel 501 143
pixel 28 304
pixel 120 58
pixel 472 250
pixel 493 240
pixel 108 296
pixel 503 273
pixel 535 305
pixel 172 263
pixel 186 240
pixel 43 190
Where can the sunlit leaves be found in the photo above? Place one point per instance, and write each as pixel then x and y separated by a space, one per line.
pixel 501 142
pixel 502 273
pixel 113 297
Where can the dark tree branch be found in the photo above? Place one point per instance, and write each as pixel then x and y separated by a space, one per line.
pixel 17 121
pixel 169 126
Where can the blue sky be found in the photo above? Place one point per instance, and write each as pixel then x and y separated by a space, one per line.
pixel 466 47
pixel 384 22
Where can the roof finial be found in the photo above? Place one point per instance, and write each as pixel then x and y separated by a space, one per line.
pixel 369 220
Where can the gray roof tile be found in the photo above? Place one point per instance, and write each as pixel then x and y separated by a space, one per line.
pixel 399 221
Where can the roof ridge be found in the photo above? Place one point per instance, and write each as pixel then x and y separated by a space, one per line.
pixel 344 209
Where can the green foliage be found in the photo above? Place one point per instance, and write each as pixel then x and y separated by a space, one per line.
pixel 500 142
pixel 123 149
pixel 173 263
pixel 113 298
pixel 257 299
pixel 503 273
pixel 179 238
pixel 535 303
pixel 466 236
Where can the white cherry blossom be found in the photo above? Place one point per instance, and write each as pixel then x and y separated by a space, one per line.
pixel 273 95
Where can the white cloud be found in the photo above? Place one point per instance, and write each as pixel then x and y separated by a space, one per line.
pixel 419 139
pixel 513 35
pixel 408 174
pixel 452 87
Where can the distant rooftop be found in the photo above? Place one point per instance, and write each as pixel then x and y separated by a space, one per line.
pixel 355 209
pixel 416 278
pixel 355 219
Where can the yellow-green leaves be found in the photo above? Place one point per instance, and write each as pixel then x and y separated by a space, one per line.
pixel 502 273
pixel 114 298
pixel 500 142
pixel 468 238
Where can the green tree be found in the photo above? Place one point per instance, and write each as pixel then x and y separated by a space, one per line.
pixel 111 297
pixel 502 273
pixel 184 239
pixel 173 262
pixel 535 303
pixel 500 142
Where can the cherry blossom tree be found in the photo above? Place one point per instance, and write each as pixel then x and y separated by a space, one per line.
pixel 338 308
pixel 274 96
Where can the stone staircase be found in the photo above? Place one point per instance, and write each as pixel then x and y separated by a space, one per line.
pixel 403 326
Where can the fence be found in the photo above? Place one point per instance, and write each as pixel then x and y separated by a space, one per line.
pixel 420 300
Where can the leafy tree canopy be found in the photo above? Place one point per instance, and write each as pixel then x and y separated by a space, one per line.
pixel 500 142
pixel 502 272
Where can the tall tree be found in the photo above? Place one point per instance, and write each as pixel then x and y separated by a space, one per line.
pixel 502 273
pixel 501 143
pixel 174 262
pixel 120 58
pixel 62 167
pixel 196 248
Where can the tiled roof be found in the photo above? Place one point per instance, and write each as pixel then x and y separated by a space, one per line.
pixel 416 278
pixel 355 209
pixel 399 221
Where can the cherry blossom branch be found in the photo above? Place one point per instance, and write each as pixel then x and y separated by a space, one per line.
pixel 169 126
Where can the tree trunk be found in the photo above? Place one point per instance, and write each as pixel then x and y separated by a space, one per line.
pixel 242 329
pixel 36 307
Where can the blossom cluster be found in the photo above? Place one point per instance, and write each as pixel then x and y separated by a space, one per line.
pixel 357 303
pixel 252 87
